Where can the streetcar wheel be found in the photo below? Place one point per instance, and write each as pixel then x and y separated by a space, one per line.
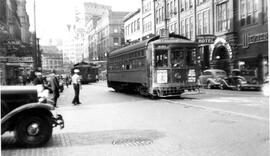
pixel 33 131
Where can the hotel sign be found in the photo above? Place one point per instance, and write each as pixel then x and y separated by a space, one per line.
pixel 254 38
pixel 206 39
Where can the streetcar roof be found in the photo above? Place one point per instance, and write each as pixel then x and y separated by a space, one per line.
pixel 174 39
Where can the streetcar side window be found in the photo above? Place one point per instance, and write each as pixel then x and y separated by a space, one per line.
pixel 161 58
pixel 177 57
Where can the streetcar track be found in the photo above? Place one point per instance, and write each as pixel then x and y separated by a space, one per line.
pixel 218 111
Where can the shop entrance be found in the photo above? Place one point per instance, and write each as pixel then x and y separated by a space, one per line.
pixel 221 58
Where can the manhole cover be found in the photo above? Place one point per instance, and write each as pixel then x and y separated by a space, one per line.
pixel 133 141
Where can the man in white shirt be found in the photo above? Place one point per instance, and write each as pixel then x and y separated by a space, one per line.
pixel 76 82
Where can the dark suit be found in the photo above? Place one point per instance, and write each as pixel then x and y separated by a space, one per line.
pixel 54 83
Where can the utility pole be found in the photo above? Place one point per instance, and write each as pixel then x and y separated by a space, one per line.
pixel 35 40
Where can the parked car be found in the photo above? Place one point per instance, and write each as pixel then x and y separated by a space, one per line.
pixel 210 78
pixel 28 112
pixel 237 83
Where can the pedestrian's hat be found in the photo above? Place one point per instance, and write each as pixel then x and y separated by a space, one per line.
pixel 76 70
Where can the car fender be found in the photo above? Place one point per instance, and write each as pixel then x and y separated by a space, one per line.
pixel 222 81
pixel 212 81
pixel 30 106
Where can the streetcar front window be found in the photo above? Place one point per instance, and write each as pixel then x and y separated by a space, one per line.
pixel 191 57
pixel 161 58
pixel 177 57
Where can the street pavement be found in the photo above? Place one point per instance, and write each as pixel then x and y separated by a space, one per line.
pixel 205 123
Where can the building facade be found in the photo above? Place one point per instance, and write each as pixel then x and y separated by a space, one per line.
pixel 16 57
pixel 108 35
pixel 148 18
pixel 231 34
pixel 52 59
pixel 252 29
pixel 133 26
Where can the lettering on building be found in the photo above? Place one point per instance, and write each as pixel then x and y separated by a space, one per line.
pixel 206 39
pixel 254 38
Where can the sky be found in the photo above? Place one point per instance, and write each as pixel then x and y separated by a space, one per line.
pixel 52 16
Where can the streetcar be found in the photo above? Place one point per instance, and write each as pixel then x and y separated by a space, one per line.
pixel 88 72
pixel 157 67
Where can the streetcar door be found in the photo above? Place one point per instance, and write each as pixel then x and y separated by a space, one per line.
pixel 161 63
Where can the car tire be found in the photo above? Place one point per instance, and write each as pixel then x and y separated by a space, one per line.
pixel 209 86
pixel 222 86
pixel 33 131
pixel 238 87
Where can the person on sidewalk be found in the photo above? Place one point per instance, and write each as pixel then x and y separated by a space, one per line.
pixel 54 86
pixel 76 82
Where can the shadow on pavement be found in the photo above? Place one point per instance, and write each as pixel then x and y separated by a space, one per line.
pixel 113 137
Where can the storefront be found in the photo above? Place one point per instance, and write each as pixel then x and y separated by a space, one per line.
pixel 217 52
pixel 205 42
pixel 253 54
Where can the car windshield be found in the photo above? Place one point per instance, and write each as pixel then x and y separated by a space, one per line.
pixel 161 58
pixel 221 73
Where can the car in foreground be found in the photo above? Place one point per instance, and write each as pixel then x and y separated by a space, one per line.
pixel 210 78
pixel 27 111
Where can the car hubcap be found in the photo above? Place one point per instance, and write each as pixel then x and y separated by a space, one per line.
pixel 33 129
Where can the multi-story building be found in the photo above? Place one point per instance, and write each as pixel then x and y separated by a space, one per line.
pixel 166 20
pixel 109 35
pixel 15 49
pixel 148 19
pixel 133 26
pixel 230 33
pixel 52 59
pixel 252 28
pixel 77 48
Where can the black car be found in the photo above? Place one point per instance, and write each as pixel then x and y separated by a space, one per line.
pixel 237 83
pixel 29 113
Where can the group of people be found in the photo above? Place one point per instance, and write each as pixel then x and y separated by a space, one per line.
pixel 52 84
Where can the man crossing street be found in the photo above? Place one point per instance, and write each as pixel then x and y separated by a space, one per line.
pixel 76 82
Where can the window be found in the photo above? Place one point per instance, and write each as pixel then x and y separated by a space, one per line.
pixel 187 27
pixel 138 24
pixel 200 23
pixel 248 12
pixel 182 27
pixel 265 10
pixel 191 57
pixel 177 57
pixel 222 17
pixel 191 26
pixel 182 5
pixel 206 22
pixel 161 58
pixel 175 28
pixel 157 16
pixel 175 6
pixel 115 41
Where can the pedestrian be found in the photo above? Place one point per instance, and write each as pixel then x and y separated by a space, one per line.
pixel 38 80
pixel 76 82
pixel 54 86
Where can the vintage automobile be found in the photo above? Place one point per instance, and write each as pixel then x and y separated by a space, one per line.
pixel 28 112
pixel 210 78
pixel 237 82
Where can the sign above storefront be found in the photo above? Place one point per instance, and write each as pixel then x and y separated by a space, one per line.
pixel 10 59
pixel 254 38
pixel 206 39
